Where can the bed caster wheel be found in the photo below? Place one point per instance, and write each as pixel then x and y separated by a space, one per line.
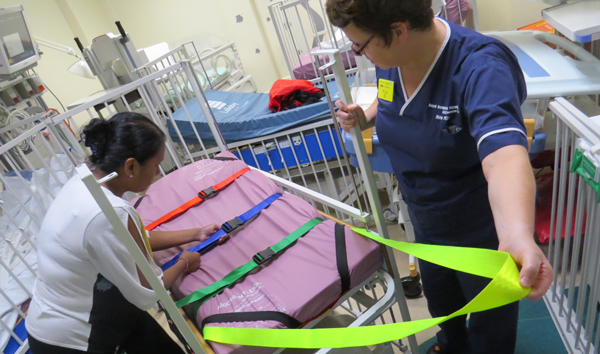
pixel 412 286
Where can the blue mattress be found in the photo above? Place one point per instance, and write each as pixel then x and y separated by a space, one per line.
pixel 242 116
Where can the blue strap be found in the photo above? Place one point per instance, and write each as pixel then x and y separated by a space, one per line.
pixel 226 228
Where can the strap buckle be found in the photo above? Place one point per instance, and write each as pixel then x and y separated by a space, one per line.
pixel 207 193
pixel 231 225
pixel 263 256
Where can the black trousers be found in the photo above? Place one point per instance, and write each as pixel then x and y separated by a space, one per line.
pixel 147 338
pixel 490 332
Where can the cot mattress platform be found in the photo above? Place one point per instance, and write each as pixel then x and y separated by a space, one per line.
pixel 302 282
pixel 242 116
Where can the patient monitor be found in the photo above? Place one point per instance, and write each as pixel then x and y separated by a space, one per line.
pixel 18 51
pixel 113 58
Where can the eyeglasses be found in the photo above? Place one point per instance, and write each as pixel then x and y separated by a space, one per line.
pixel 360 50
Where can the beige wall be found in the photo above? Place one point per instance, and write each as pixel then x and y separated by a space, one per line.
pixel 505 15
pixel 90 17
pixel 264 16
pixel 48 22
pixel 176 21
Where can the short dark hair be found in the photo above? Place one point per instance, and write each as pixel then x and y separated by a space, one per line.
pixel 377 16
pixel 123 136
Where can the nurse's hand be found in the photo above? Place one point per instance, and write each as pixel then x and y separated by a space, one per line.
pixel 536 272
pixel 350 116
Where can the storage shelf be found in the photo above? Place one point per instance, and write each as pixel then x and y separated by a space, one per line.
pixel 24 102
pixel 578 21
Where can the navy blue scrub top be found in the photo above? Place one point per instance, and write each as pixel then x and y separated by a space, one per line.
pixel 466 108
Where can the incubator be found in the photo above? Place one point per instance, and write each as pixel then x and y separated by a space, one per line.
pixel 219 64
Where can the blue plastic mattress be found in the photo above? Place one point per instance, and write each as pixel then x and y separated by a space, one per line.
pixel 242 116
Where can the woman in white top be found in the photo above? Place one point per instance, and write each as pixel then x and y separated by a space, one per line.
pixel 89 296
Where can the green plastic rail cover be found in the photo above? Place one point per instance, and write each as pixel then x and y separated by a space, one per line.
pixel 502 290
pixel 586 169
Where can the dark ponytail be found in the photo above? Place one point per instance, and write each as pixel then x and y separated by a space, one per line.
pixel 119 138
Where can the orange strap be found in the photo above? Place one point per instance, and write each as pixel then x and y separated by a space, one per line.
pixel 202 196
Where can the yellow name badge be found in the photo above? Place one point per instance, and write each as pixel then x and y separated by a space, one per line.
pixel 386 90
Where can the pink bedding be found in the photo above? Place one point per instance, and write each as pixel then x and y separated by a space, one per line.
pixel 302 282
pixel 304 70
pixel 457 10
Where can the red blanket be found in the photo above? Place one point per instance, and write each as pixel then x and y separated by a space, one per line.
pixel 287 94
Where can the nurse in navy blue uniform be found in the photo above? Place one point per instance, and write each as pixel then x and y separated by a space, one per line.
pixel 448 115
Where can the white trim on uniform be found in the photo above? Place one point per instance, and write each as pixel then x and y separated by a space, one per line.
pixel 498 131
pixel 407 100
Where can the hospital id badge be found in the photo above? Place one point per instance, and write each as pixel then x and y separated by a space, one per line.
pixel 386 90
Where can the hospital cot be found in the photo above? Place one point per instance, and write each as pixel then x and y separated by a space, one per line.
pixel 573 297
pixel 300 284
pixel 302 27
pixel 216 61
pixel 34 168
pixel 240 115
pixel 301 144
pixel 377 297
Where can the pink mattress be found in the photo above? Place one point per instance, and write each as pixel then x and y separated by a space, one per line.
pixel 457 9
pixel 302 282
pixel 304 70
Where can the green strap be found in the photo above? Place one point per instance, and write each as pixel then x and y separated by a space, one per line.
pixel 199 297
pixel 502 290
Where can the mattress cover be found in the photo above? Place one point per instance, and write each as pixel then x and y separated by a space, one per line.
pixel 243 116
pixel 301 282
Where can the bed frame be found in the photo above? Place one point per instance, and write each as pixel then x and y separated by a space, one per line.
pixel 205 62
pixel 305 146
pixel 574 296
pixel 378 300
pixel 34 166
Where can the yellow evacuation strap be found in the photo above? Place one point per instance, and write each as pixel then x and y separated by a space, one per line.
pixel 502 290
